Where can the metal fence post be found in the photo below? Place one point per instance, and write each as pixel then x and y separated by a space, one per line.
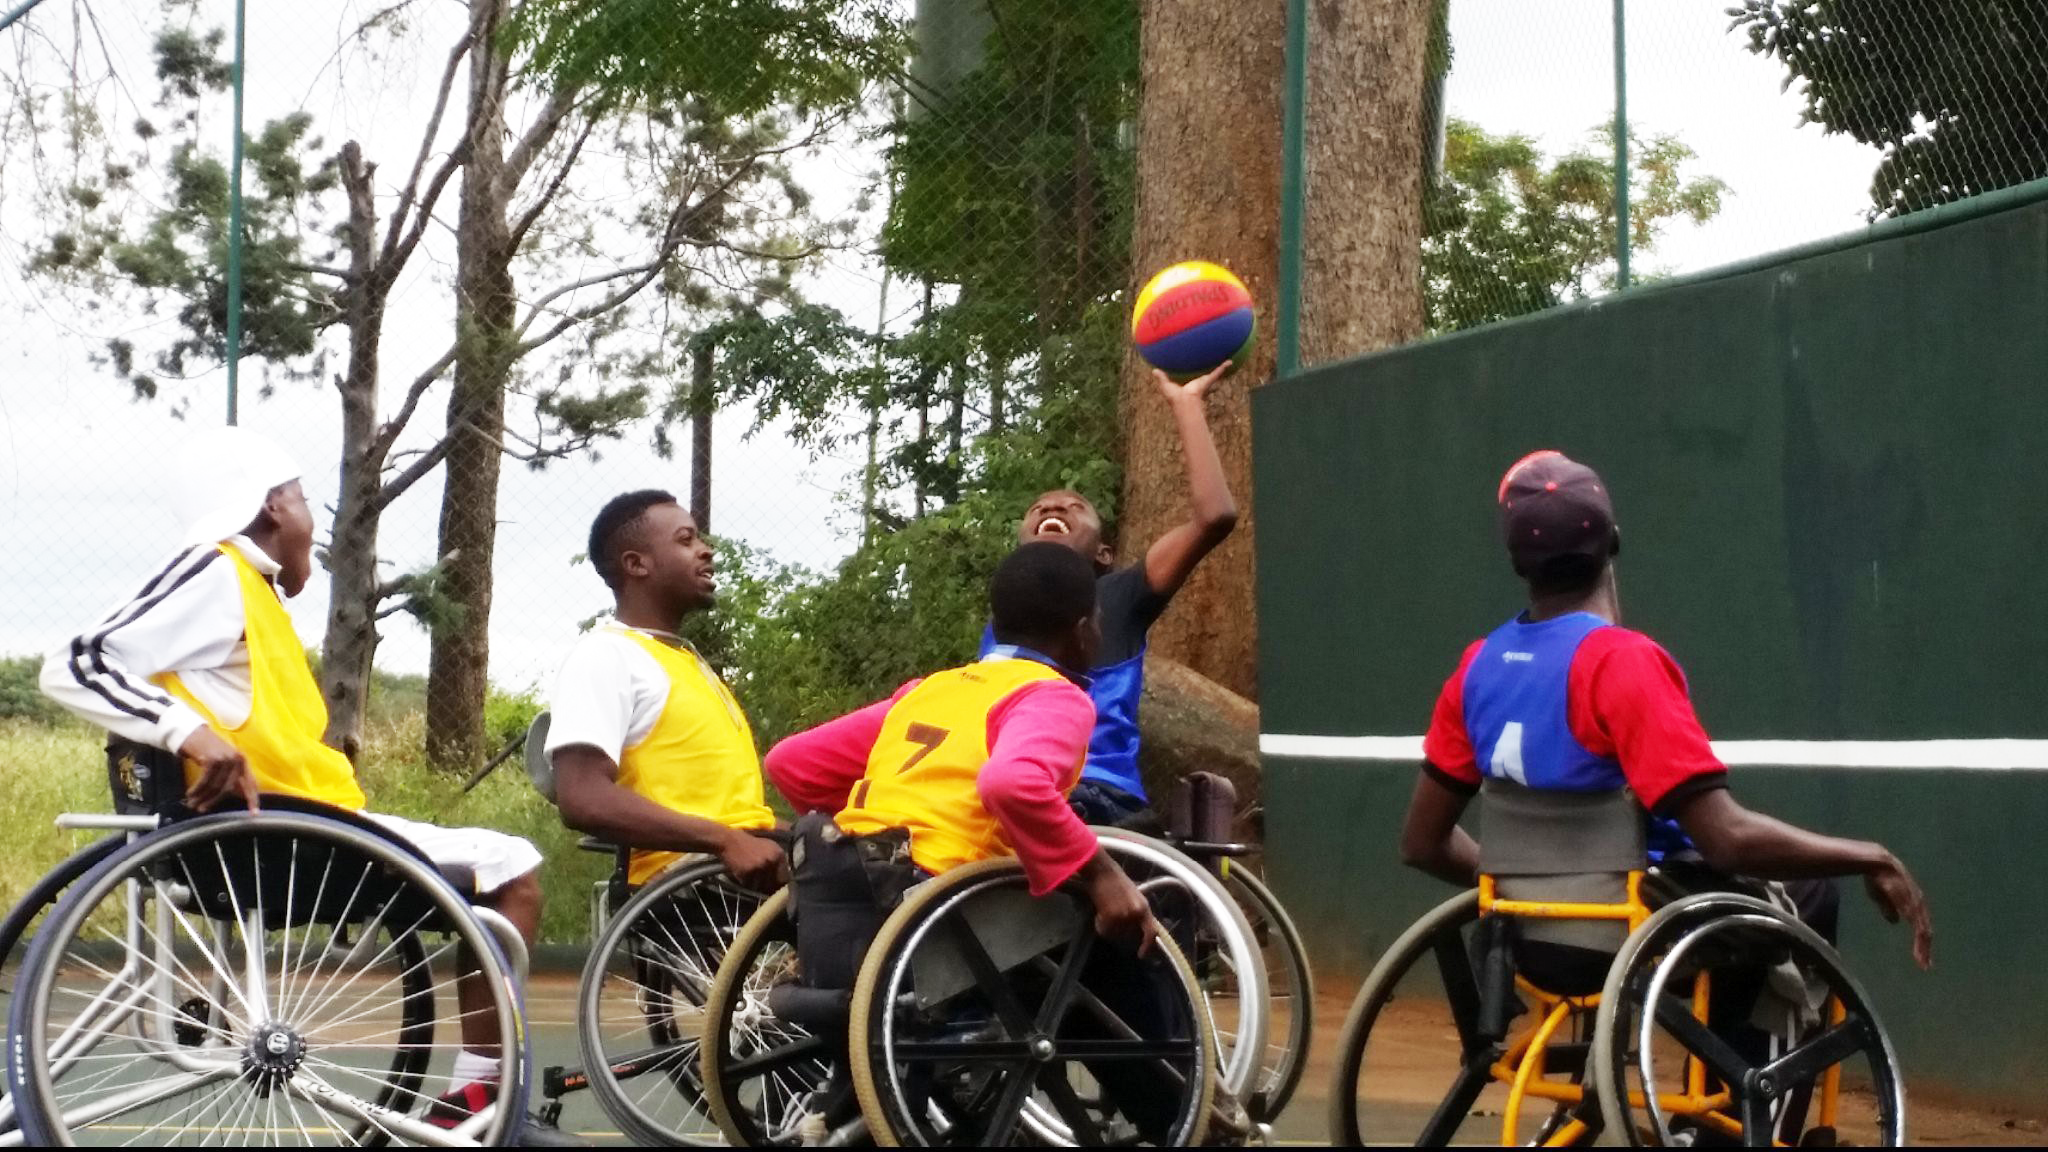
pixel 1621 229
pixel 1294 111
pixel 235 226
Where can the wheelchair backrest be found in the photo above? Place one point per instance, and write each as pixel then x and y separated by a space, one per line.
pixel 539 768
pixel 1563 847
pixel 1203 808
pixel 145 780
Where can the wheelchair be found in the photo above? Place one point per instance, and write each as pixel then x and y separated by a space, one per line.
pixel 287 976
pixel 1579 992
pixel 975 1015
pixel 640 1000
pixel 1198 823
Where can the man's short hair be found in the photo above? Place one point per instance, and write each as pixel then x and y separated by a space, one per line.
pixel 618 529
pixel 1039 591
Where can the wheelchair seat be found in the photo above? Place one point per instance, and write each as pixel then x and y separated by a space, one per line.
pixel 149 781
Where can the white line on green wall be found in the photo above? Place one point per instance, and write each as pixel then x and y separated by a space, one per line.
pixel 1989 755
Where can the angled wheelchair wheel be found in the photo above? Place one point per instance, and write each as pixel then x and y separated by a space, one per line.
pixel 323 961
pixel 641 1001
pixel 1214 933
pixel 984 1017
pixel 1416 1062
pixel 26 916
pixel 759 1071
pixel 1726 1019
pixel 1290 991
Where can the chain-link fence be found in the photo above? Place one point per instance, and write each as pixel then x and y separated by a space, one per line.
pixel 1751 127
pixel 847 279
pixel 851 280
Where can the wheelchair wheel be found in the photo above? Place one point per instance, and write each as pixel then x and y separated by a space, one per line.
pixel 981 1013
pixel 1291 992
pixel 322 1004
pixel 641 1001
pixel 1414 1063
pixel 1220 944
pixel 759 1071
pixel 1665 1077
pixel 26 915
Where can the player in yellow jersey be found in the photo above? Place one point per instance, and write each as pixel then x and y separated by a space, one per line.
pixel 204 662
pixel 650 749
pixel 964 765
pixel 977 761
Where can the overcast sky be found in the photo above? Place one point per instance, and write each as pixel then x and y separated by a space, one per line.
pixel 81 511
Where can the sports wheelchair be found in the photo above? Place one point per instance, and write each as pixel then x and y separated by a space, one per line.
pixel 909 1009
pixel 640 1001
pixel 280 977
pixel 1579 991
pixel 1199 822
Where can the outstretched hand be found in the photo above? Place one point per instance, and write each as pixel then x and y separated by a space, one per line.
pixel 1192 390
pixel 1898 898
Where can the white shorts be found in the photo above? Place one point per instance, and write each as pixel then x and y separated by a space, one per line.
pixel 494 858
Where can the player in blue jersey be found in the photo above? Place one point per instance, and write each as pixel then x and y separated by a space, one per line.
pixel 1131 598
pixel 1563 698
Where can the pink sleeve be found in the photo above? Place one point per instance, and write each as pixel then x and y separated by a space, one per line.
pixel 816 768
pixel 1037 738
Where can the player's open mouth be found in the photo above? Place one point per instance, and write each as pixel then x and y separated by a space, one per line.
pixel 1053 526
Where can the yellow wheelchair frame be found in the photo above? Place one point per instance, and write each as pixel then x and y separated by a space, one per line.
pixel 1521 1067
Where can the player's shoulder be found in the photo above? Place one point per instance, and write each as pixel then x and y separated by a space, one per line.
pixel 1615 640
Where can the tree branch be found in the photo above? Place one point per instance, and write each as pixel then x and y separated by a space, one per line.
pixel 554 188
pixel 552 114
pixel 428 461
pixel 388 434
pixel 419 164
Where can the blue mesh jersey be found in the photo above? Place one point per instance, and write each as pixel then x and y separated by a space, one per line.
pixel 1518 717
pixel 1129 607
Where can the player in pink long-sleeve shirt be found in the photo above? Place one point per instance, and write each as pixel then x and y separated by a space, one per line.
pixel 977 761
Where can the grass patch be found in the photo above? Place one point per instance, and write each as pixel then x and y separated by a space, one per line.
pixel 48 768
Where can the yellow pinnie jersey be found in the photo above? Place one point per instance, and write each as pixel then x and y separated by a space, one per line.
pixel 699 758
pixel 923 770
pixel 287 716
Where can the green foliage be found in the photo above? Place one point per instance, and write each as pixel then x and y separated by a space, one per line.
pixel 20 698
pixel 1017 184
pixel 1507 234
pixel 1955 92
pixel 735 58
pixel 173 245
pixel 801 647
pixel 507 716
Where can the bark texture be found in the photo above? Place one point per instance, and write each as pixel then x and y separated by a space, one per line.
pixel 1209 150
pixel 1209 165
pixel 458 664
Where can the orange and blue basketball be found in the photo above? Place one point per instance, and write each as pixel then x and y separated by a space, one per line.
pixel 1192 317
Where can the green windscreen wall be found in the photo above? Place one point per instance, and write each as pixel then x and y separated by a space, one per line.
pixel 1832 479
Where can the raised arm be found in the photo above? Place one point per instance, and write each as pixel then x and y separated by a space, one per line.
pixel 1212 511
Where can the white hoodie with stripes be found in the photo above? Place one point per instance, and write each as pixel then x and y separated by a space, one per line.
pixel 186 619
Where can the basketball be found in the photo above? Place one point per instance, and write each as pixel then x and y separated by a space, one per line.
pixel 1192 317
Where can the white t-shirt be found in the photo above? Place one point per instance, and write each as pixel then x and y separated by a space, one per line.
pixel 609 693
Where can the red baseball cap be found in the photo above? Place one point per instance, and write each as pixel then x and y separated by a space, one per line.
pixel 1552 506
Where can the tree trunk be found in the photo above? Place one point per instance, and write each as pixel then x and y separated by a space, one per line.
pixel 702 407
pixel 1208 188
pixel 1209 161
pixel 351 641
pixel 458 664
pixel 1362 250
